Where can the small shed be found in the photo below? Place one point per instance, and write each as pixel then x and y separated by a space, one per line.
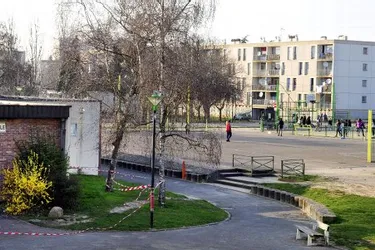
pixel 75 125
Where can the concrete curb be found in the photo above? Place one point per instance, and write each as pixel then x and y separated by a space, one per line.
pixel 312 209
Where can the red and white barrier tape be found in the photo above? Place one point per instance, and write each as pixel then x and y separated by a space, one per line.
pixel 133 188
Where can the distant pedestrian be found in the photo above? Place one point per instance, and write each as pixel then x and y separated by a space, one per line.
pixel 308 121
pixel 228 129
pixel 280 127
pixel 187 128
pixel 338 128
pixel 304 120
pixel 360 126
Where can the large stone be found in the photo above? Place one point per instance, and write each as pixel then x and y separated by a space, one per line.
pixel 56 212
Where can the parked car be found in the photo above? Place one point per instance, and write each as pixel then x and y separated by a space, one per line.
pixel 246 116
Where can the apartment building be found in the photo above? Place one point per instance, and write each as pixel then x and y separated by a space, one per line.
pixel 336 77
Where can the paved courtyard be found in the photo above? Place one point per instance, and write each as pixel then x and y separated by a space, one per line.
pixel 344 159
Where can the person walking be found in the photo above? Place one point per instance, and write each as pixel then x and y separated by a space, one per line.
pixel 338 128
pixel 360 127
pixel 228 129
pixel 280 126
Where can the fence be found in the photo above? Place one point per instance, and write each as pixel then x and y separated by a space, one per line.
pixel 292 167
pixel 256 165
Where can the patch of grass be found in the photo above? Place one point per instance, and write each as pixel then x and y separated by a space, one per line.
pixel 178 212
pixel 355 225
pixel 300 178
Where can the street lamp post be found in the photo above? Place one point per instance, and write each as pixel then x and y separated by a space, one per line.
pixel 155 100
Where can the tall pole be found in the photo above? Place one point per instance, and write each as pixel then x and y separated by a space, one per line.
pixel 153 169
pixel 369 136
pixel 188 107
pixel 333 103
pixel 277 101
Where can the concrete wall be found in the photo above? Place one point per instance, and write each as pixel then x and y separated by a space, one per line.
pixel 83 135
pixel 349 74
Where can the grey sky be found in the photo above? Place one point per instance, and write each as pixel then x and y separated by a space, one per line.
pixel 310 19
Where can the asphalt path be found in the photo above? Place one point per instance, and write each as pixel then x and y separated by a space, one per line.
pixel 254 223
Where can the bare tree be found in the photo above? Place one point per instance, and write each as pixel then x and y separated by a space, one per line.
pixel 12 73
pixel 148 36
pixel 35 54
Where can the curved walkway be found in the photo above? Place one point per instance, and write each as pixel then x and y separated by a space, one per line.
pixel 255 223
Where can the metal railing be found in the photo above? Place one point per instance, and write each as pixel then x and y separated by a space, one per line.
pixel 264 87
pixel 292 167
pixel 269 57
pixel 254 164
pixel 324 72
pixel 273 57
pixel 327 56
pixel 263 102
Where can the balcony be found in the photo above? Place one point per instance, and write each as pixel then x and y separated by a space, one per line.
pixel 263 73
pixel 260 58
pixel 259 87
pixel 266 102
pixel 325 57
pixel 273 57
pixel 324 72
pixel 270 57
pixel 274 72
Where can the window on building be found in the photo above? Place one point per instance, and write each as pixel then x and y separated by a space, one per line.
pixel 282 68
pixel 364 99
pixel 262 66
pixel 306 68
pixel 365 50
pixel 311 84
pixel 300 65
pixel 299 100
pixel 313 52
pixel 294 53
pixel 281 97
pixel 288 84
pixel 244 55
pixel 248 98
pixel 289 53
pixel 239 54
pixel 243 83
pixel 294 84
pixel 305 100
pixel 364 83
pixel 248 68
pixel 364 67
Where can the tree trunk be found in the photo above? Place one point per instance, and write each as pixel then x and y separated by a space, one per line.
pixel 220 113
pixel 116 146
pixel 206 109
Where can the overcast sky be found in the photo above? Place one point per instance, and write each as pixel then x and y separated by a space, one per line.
pixel 310 19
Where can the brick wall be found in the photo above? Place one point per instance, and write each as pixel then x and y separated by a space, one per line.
pixel 20 129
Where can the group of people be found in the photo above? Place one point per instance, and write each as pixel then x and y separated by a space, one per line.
pixel 342 127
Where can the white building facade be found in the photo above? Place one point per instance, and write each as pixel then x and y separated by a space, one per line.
pixel 309 78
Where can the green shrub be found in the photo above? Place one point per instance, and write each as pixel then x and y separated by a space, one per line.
pixel 64 190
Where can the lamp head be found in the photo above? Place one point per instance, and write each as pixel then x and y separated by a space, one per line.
pixel 155 99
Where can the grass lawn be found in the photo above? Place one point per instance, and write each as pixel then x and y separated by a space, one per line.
pixel 355 225
pixel 178 212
